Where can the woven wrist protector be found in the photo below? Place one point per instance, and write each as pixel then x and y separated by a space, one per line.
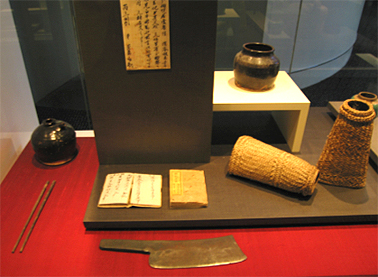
pixel 345 156
pixel 264 163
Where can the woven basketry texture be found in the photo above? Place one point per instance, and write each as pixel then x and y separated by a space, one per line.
pixel 345 156
pixel 261 162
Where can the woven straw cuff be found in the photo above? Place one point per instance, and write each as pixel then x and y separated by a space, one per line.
pixel 264 163
pixel 345 156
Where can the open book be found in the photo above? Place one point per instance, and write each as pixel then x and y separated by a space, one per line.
pixel 124 190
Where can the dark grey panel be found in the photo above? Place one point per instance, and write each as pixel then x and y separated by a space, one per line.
pixel 149 116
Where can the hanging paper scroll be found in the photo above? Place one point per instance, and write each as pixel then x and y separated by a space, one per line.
pixel 145 25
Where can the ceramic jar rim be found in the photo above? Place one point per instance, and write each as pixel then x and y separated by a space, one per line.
pixel 49 121
pixel 258 47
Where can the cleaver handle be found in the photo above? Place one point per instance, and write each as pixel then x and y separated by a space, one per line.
pixel 140 246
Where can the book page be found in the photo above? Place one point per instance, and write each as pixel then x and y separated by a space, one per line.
pixel 116 190
pixel 146 35
pixel 146 191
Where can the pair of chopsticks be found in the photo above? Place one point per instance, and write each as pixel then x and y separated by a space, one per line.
pixel 36 217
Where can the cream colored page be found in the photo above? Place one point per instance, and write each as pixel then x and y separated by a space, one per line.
pixel 146 191
pixel 116 189
pixel 187 188
pixel 146 37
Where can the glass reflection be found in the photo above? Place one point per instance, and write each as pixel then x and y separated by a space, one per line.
pixel 328 47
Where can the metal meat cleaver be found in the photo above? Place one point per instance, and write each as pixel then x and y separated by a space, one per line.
pixel 182 253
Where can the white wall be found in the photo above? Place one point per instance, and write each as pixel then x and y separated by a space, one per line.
pixel 18 116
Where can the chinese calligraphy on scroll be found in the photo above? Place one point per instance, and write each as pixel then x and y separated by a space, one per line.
pixel 146 37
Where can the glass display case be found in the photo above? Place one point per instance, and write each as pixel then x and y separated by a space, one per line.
pixel 329 48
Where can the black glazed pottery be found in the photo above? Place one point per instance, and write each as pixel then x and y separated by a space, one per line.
pixel 54 142
pixel 256 67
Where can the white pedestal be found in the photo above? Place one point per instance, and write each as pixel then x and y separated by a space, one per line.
pixel 287 102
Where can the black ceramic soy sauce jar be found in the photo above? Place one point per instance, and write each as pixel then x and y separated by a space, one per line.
pixel 256 67
pixel 54 142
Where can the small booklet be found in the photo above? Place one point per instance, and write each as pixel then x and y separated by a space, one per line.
pixel 187 189
pixel 126 189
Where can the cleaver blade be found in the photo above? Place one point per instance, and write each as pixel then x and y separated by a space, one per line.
pixel 181 253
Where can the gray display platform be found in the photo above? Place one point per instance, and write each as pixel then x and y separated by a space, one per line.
pixel 238 202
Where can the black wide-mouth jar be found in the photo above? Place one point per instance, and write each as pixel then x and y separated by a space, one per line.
pixel 256 67
pixel 54 142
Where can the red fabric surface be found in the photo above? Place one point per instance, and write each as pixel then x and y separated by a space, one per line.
pixel 61 246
